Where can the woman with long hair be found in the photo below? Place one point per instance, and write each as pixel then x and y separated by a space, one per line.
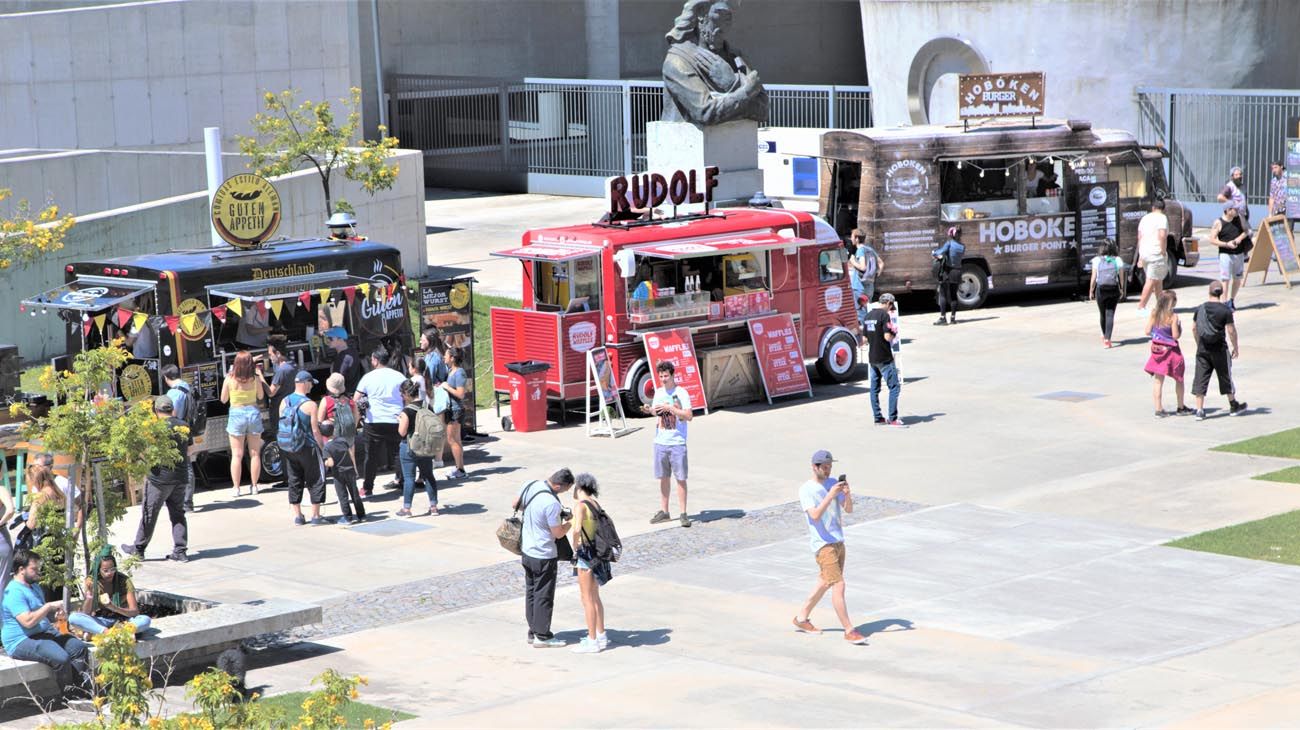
pixel 1166 359
pixel 1106 286
pixel 414 468
pixel 109 599
pixel 592 572
pixel 434 348
pixel 455 413
pixel 244 389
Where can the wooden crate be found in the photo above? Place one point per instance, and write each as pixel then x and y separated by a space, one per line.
pixel 731 376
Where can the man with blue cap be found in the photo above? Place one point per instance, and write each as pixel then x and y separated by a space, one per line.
pixel 346 360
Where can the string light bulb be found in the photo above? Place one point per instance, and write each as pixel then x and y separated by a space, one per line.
pixel 1107 159
pixel 958 164
pixel 981 173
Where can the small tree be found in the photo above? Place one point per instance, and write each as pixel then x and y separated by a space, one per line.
pixel 23 238
pixel 290 135
pixel 126 439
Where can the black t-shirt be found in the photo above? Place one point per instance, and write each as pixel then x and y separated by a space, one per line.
pixel 876 325
pixel 410 409
pixel 348 363
pixel 179 472
pixel 337 449
pixel 1212 318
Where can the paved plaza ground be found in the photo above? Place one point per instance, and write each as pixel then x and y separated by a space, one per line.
pixel 1007 556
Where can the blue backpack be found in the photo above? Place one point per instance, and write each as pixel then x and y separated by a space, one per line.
pixel 293 437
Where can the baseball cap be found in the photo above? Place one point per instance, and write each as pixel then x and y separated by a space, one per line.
pixel 303 376
pixel 1229 206
pixel 337 333
pixel 163 404
pixel 822 456
pixel 887 298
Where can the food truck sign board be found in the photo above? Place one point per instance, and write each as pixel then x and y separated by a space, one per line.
pixel 1274 243
pixel 1000 95
pixel 1098 210
pixel 634 193
pixel 780 358
pixel 448 304
pixel 246 210
pixel 675 346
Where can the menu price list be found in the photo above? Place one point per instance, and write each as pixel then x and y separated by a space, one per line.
pixel 780 359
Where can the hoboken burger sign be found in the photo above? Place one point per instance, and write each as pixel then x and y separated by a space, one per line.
pixel 637 193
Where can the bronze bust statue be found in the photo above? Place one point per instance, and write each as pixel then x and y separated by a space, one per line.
pixel 706 81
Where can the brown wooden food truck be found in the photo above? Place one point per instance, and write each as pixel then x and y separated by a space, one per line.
pixel 1014 189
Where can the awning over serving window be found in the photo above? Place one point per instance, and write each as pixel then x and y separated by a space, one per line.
pixel 717 247
pixel 553 252
pixel 286 287
pixel 91 293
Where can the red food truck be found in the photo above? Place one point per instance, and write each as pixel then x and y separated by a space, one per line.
pixel 614 282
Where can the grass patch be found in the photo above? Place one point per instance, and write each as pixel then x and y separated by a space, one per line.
pixel 1289 475
pixel 30 380
pixel 356 713
pixel 1285 444
pixel 1276 539
pixel 483 345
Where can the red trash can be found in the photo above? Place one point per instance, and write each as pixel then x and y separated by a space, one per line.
pixel 528 394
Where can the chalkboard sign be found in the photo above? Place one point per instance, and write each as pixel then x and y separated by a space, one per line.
pixel 1097 206
pixel 1293 176
pixel 1274 242
pixel 205 380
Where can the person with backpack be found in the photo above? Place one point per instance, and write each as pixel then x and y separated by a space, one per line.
pixel 165 487
pixel 544 522
pixel 343 470
pixel 300 441
pixel 1106 286
pixel 193 412
pixel 417 425
pixel 947 272
pixel 341 410
pixel 456 386
pixel 867 265
pixel 592 571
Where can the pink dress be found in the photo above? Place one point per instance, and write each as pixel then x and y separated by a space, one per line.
pixel 1166 357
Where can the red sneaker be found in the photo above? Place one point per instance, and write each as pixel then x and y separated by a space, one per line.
pixel 805 626
pixel 853 637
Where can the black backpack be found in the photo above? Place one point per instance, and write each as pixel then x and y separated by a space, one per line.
pixel 605 543
pixel 197 418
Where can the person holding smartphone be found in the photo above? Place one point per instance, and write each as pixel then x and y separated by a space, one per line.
pixel 824 500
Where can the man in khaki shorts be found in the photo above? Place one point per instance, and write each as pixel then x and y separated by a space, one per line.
pixel 1152 250
pixel 824 499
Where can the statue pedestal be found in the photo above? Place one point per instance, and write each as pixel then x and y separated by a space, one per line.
pixel 731 147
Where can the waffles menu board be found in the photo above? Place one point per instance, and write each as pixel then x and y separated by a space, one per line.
pixel 676 346
pixel 780 359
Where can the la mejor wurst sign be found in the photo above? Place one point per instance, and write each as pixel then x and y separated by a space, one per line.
pixel 1000 95
pixel 246 210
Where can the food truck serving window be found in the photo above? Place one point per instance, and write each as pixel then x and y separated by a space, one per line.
pixel 984 188
pixel 565 276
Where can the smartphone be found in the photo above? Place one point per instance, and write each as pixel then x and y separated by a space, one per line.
pixel 844 479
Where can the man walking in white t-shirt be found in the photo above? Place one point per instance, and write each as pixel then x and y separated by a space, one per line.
pixel 1153 232
pixel 823 500
pixel 672 407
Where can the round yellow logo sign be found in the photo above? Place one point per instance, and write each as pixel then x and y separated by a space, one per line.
pixel 460 296
pixel 246 210
pixel 197 327
pixel 133 383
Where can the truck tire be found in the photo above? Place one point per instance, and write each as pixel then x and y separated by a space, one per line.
pixel 642 392
pixel 272 462
pixel 839 358
pixel 974 286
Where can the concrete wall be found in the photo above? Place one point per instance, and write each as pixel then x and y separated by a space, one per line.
pixel 154 74
pixel 1094 52
pixel 394 216
pixel 809 41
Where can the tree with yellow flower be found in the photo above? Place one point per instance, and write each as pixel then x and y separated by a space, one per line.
pixel 22 237
pixel 290 135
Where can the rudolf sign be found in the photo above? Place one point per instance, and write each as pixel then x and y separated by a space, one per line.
pixel 636 193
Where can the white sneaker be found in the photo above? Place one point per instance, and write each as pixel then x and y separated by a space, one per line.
pixel 437 464
pixel 603 640
pixel 587 646
pixel 553 643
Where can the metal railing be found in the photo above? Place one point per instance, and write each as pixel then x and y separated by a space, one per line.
pixel 575 127
pixel 1208 131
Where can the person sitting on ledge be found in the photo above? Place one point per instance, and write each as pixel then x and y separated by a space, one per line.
pixel 109 600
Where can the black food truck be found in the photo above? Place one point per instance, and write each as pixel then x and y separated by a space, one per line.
pixel 191 302
pixel 1033 201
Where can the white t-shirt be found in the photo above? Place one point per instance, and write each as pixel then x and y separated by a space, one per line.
pixel 671 430
pixel 1150 245
pixel 830 528
pixel 383 390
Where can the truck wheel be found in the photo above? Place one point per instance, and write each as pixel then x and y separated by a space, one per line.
pixel 642 392
pixel 1173 273
pixel 272 462
pixel 839 358
pixel 973 288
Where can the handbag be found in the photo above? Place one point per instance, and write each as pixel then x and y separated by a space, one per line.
pixel 510 533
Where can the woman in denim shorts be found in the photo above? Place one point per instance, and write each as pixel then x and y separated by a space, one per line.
pixel 244 389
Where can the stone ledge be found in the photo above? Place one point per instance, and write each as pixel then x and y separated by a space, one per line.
pixel 184 640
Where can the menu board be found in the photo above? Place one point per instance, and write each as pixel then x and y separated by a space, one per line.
pixel 1097 206
pixel 1293 176
pixel 780 358
pixel 675 346
pixel 204 380
pixel 1279 230
pixel 448 305
pixel 1274 242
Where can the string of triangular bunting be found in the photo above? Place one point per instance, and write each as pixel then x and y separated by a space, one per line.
pixel 194 322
